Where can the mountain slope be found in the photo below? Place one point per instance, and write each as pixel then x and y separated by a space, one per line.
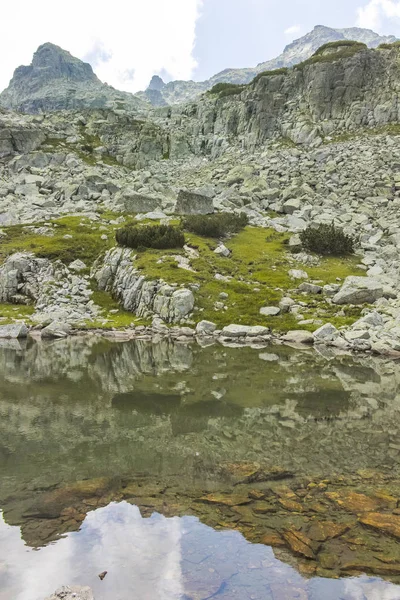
pixel 176 92
pixel 56 80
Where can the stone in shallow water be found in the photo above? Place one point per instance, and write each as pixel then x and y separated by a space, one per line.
pixel 353 502
pixel 74 592
pixel 299 543
pixel 320 531
pixel 385 523
pixel 227 499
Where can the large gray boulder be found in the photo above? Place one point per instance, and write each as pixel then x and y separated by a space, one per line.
pixel 74 592
pixel 13 332
pixel 191 203
pixel 240 331
pixel 133 202
pixel 359 290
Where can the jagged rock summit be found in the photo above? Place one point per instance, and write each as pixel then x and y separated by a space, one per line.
pixel 56 80
pixel 296 52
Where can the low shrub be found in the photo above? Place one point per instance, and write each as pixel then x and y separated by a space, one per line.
pixel 327 239
pixel 226 89
pixel 386 46
pixel 273 73
pixel 160 237
pixel 216 225
pixel 346 49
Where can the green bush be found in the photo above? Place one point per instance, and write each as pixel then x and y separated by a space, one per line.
pixel 327 239
pixel 273 73
pixel 347 48
pixel 340 44
pixel 216 225
pixel 150 236
pixel 389 46
pixel 226 89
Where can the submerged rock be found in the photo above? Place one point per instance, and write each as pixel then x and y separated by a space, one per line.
pixel 74 592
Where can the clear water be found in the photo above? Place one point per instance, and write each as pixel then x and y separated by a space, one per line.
pixel 84 408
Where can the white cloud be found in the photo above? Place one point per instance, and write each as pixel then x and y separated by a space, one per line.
pixel 372 14
pixel 127 40
pixel 293 29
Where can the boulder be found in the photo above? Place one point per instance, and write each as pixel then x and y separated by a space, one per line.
pixel 297 274
pixel 75 592
pixel 299 336
pixel 133 202
pixel 77 266
pixel 285 304
pixel 237 331
pixel 56 329
pixel 13 332
pixel 325 333
pixel 359 290
pixel 310 288
pixel 222 250
pixel 269 311
pixel 290 206
pixel 205 328
pixel 191 203
pixel 295 244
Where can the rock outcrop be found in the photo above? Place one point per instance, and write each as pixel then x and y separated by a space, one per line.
pixel 56 80
pixel 58 294
pixel 117 274
pixel 175 92
pixel 74 592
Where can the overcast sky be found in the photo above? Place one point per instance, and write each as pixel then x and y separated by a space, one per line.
pixel 127 41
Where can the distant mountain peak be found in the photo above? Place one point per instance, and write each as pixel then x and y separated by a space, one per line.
pixel 57 80
pixel 156 83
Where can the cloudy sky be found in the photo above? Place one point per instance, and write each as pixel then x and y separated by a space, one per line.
pixel 127 41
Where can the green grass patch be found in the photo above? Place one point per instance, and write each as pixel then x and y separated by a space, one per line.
pixel 85 243
pixel 9 313
pixel 259 266
pixel 107 320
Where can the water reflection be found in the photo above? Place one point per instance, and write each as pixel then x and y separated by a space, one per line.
pixel 86 408
pixel 164 559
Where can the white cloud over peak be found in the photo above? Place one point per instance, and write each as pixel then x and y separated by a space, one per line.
pixel 374 12
pixel 292 30
pixel 126 41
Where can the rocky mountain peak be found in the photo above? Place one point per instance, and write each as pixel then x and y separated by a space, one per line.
pixel 56 80
pixel 52 62
pixel 156 83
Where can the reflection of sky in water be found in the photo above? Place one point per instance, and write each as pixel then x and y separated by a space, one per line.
pixel 163 559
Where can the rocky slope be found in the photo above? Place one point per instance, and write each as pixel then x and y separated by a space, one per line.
pixel 318 143
pixel 176 92
pixel 56 80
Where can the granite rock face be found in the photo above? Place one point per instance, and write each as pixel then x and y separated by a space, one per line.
pixel 175 92
pixel 117 275
pixel 57 80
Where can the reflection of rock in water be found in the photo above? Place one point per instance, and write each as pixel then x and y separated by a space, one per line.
pixel 147 402
pixel 322 404
pixel 192 418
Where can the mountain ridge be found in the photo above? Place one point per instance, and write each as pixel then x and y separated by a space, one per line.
pixel 32 88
